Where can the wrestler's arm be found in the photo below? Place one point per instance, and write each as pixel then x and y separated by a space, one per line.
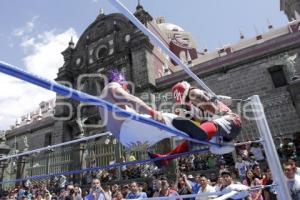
pixel 121 96
pixel 200 98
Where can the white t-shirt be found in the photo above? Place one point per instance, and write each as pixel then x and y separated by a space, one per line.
pixel 257 152
pixel 294 187
pixel 208 188
pixel 242 167
pixel 243 190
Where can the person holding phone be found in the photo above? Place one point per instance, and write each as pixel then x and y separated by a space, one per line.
pixel 97 192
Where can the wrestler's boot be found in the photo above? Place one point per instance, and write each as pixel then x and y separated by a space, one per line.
pixel 181 148
pixel 203 132
pixel 209 128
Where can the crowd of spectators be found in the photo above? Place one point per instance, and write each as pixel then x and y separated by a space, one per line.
pixel 159 186
pixel 196 174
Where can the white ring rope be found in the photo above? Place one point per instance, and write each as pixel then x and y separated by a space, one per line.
pixel 225 195
pixel 248 142
pixel 159 43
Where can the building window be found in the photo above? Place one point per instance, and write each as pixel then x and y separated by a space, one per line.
pixel 278 76
pixel 48 139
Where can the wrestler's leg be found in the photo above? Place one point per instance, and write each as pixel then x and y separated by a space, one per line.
pixel 181 148
pixel 205 131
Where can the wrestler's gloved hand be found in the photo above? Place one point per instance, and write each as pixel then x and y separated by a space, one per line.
pixel 157 116
pixel 225 124
pixel 183 113
pixel 224 99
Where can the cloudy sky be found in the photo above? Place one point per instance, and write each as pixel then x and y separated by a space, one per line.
pixel 33 33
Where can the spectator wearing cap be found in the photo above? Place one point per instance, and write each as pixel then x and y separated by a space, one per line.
pixel 125 190
pixel 192 183
pixel 191 180
pixel 135 193
pixel 165 190
pixel 205 188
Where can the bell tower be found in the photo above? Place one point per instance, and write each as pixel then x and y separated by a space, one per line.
pixel 110 42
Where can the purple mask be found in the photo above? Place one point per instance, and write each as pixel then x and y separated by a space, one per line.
pixel 115 76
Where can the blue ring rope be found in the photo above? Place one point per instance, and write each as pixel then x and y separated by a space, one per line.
pixel 44 176
pixel 86 98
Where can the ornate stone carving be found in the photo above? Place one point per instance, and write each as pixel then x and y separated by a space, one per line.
pixel 290 63
pixel 142 15
pixel 2 136
pixel 26 145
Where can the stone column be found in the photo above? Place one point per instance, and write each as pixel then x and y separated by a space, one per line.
pixel 3 166
pixel 142 65
pixel 294 90
pixel 77 158
pixel 4 150
pixel 21 168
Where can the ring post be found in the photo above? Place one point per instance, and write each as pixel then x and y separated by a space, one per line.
pixel 270 150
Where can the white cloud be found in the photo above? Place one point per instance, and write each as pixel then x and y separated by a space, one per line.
pixel 27 28
pixel 28 43
pixel 17 97
pixel 46 57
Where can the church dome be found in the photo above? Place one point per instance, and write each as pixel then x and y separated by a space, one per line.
pixel 169 27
